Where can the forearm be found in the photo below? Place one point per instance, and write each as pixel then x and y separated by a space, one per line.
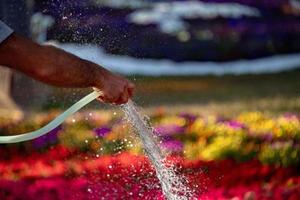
pixel 49 64
pixel 57 67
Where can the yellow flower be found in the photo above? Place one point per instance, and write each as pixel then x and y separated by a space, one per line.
pixel 263 126
pixel 251 117
pixel 173 120
pixel 192 150
pixel 221 146
pixel 198 126
pixel 287 127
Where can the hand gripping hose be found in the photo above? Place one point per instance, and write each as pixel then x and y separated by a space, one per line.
pixel 53 124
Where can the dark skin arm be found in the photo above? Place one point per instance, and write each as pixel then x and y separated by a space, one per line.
pixel 56 67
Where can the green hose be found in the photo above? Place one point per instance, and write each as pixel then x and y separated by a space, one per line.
pixel 53 124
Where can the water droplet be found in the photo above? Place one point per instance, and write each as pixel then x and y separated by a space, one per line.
pixel 115 113
pixel 73 120
pixel 97 155
pixel 89 190
pixel 86 141
pixel 90 114
pixel 110 167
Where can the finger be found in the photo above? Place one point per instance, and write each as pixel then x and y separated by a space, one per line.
pixel 131 85
pixel 101 99
pixel 114 96
pixel 130 89
pixel 130 92
pixel 107 99
pixel 123 98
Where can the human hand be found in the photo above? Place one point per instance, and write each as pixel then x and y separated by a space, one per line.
pixel 115 89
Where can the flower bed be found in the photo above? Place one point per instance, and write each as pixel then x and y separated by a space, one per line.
pixel 95 154
pixel 48 175
pixel 254 135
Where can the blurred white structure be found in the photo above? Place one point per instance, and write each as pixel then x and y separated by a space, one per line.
pixel 153 67
pixel 169 16
pixel 123 3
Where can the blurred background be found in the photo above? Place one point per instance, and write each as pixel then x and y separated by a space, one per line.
pixel 219 80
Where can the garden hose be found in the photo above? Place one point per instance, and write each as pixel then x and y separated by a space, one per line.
pixel 53 124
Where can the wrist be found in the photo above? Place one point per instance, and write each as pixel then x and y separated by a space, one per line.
pixel 98 76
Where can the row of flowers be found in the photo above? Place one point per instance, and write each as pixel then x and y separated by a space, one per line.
pixel 254 135
pixel 125 176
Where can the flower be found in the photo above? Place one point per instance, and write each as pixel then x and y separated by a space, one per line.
pixel 102 131
pixel 235 124
pixel 49 138
pixel 172 145
pixel 170 129
pixel 188 116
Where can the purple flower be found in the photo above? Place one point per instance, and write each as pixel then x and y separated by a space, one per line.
pixel 49 138
pixel 267 136
pixel 102 131
pixel 291 116
pixel 188 116
pixel 235 124
pixel 171 129
pixel 172 145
